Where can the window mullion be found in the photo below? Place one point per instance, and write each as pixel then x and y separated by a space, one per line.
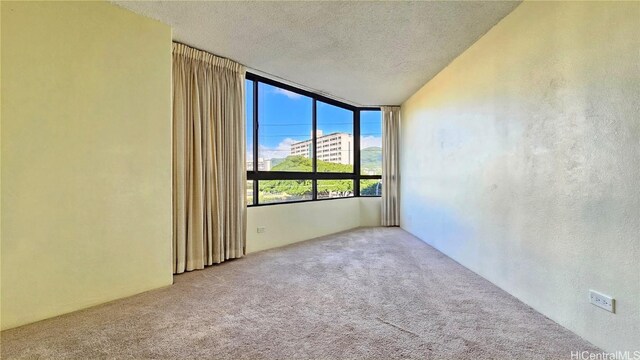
pixel 356 152
pixel 314 151
pixel 256 123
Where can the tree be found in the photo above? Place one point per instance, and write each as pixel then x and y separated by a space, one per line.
pixel 370 187
pixel 299 188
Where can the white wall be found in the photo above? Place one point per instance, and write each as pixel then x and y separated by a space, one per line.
pixel 370 211
pixel 289 223
pixel 521 161
pixel 86 157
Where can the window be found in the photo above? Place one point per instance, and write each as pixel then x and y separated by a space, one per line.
pixel 277 191
pixel 303 147
pixel 334 138
pixel 284 130
pixel 370 187
pixel 370 153
pixel 249 113
pixel 371 142
pixel 330 189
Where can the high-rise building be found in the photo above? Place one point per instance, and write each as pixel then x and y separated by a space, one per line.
pixel 263 164
pixel 334 147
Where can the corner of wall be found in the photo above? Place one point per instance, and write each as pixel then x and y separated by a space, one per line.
pixel 86 157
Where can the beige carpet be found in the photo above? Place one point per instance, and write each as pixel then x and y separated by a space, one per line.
pixel 370 293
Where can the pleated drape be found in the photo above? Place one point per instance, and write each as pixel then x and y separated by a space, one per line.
pixel 209 176
pixel 390 168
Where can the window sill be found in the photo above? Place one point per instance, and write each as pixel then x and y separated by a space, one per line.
pixel 310 201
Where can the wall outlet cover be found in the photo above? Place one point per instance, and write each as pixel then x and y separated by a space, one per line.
pixel 601 300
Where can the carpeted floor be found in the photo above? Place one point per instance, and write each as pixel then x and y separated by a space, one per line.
pixel 375 293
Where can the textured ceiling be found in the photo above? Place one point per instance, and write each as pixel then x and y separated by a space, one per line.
pixel 367 53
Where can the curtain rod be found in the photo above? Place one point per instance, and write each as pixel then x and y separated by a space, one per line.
pixel 288 82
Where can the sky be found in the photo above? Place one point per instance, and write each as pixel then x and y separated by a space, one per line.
pixel 285 118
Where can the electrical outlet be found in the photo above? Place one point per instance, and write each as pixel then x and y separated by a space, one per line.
pixel 261 229
pixel 600 300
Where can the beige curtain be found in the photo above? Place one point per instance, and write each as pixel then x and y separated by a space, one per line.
pixel 209 177
pixel 390 159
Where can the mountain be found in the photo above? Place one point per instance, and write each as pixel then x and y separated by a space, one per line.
pixel 371 160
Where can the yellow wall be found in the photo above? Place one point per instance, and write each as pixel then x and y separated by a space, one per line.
pixel 86 157
pixel 521 161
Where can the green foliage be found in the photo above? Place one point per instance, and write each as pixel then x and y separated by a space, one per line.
pixel 325 166
pixel 295 188
pixel 301 163
pixel 371 160
pixel 288 189
pixel 300 189
pixel 276 161
pixel 339 187
pixel 294 163
pixel 369 187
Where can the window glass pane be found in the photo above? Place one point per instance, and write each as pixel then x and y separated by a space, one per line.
pixel 334 138
pixel 249 192
pixel 371 142
pixel 328 189
pixel 284 130
pixel 371 187
pixel 271 191
pixel 249 119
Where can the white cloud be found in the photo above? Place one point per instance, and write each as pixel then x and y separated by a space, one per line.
pixel 287 93
pixel 369 141
pixel 281 151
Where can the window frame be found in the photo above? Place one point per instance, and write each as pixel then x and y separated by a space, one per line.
pixel 255 175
